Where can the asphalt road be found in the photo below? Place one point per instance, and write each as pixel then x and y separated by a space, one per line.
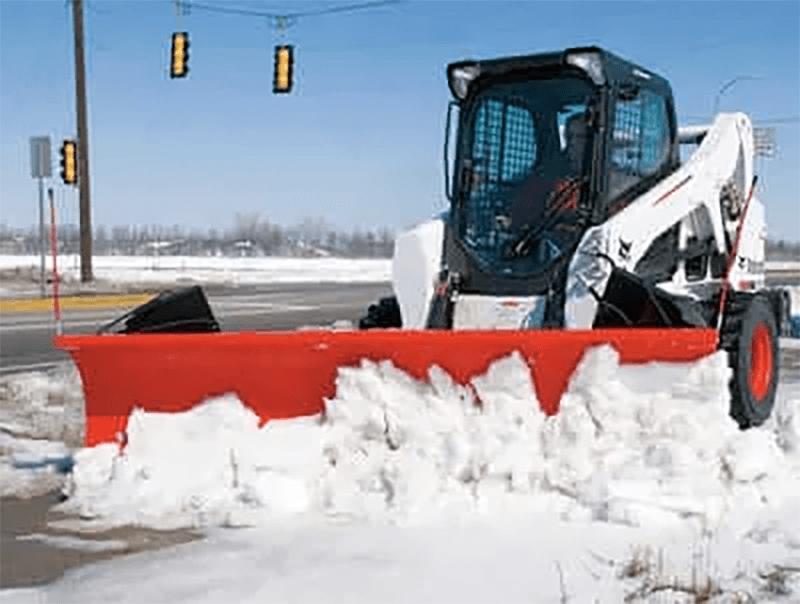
pixel 25 337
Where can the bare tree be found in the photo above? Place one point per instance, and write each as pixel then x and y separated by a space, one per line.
pixel 386 243
pixel 100 240
pixel 358 244
pixel 246 226
pixel 271 239
pixel 370 244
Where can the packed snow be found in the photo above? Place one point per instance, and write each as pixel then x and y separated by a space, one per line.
pixel 41 422
pixel 75 543
pixel 538 559
pixel 410 491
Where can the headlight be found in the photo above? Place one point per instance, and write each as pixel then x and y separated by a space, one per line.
pixel 590 63
pixel 461 78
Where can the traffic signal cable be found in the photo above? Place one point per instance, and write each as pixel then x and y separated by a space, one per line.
pixel 282 21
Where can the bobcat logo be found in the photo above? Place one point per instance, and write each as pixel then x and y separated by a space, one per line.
pixel 751 266
pixel 624 249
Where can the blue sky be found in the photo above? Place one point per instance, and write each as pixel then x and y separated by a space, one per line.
pixel 359 141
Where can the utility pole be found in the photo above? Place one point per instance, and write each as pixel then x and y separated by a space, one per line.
pixel 83 144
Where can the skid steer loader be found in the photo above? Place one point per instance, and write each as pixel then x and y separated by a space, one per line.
pixel 570 208
pixel 572 223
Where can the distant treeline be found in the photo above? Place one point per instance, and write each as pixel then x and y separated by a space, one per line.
pixel 783 250
pixel 250 236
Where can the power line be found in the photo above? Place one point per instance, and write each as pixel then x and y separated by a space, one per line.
pixel 218 9
pixel 779 120
pixel 769 120
pixel 341 9
pixel 283 20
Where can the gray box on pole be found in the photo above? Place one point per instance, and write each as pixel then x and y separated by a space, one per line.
pixel 41 166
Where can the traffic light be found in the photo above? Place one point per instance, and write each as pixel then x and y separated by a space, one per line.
pixel 284 66
pixel 179 64
pixel 69 162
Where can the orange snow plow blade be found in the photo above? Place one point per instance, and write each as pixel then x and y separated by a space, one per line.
pixel 289 374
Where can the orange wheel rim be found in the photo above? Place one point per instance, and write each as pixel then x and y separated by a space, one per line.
pixel 760 362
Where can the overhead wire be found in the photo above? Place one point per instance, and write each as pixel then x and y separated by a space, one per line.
pixel 769 120
pixel 783 120
pixel 251 13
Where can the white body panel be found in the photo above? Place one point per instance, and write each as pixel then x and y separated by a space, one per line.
pixel 690 196
pixel 586 270
pixel 697 183
pixel 748 270
pixel 416 263
pixel 505 312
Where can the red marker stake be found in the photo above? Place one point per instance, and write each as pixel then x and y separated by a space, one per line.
pixel 54 250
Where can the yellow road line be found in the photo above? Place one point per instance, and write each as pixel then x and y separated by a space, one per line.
pixel 106 301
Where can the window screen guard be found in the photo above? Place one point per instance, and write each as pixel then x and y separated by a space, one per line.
pixel 640 139
pixel 503 151
pixel 510 159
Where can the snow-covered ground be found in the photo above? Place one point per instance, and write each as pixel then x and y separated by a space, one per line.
pixel 145 270
pixel 641 487
pixel 408 491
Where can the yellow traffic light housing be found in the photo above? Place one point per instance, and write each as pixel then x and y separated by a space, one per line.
pixel 284 67
pixel 179 64
pixel 69 162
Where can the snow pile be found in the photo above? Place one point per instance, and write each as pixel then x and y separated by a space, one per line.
pixel 43 405
pixel 612 453
pixel 31 467
pixel 632 445
pixel 41 419
pixel 209 466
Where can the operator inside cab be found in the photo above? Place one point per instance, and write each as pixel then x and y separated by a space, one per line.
pixel 558 184
pixel 567 187
pixel 522 167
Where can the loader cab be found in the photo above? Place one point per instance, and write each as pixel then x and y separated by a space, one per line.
pixel 547 145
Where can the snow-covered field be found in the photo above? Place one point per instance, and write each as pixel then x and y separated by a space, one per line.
pixel 408 491
pixel 145 270
pixel 783 265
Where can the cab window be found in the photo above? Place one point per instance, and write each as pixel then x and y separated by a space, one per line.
pixel 640 138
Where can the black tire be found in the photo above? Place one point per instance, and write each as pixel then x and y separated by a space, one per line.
pixel 754 359
pixel 385 314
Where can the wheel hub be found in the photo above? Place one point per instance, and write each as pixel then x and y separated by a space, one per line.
pixel 761 362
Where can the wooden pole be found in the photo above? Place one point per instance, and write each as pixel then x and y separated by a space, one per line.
pixel 83 144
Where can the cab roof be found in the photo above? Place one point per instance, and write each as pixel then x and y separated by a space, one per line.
pixel 600 65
